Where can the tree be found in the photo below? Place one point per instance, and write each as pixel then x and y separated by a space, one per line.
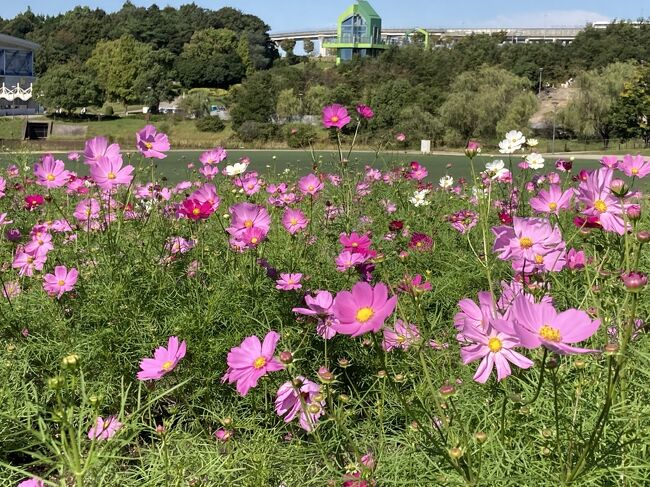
pixel 589 113
pixel 308 46
pixel 288 45
pixel 631 111
pixel 68 86
pixel 211 59
pixel 196 104
pixel 156 82
pixel 117 65
pixel 254 100
pixel 479 100
pixel 288 104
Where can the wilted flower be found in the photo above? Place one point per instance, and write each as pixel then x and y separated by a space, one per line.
pixel 104 429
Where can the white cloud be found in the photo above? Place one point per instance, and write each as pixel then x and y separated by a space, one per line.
pixel 548 18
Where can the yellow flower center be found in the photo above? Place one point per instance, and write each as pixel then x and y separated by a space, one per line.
pixel 167 365
pixel 354 244
pixel 259 362
pixel 635 171
pixel 50 177
pixel 60 282
pixel 310 187
pixel 106 424
pixel 364 314
pixel 196 211
pixel 30 259
pixel 88 211
pixel 401 338
pixel 550 334
pixel 290 281
pixel 248 223
pixel 539 259
pixel 111 175
pixel 419 244
pixel 335 119
pixel 495 345
pixel 552 206
pixel 293 221
pixel 254 240
pixel 525 242
pixel 600 206
pixel 148 145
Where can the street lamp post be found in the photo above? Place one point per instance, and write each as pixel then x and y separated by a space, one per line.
pixel 539 89
pixel 554 114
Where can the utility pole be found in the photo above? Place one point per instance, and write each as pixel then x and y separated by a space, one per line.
pixel 539 89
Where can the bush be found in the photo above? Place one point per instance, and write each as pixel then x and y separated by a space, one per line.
pixel 210 124
pixel 299 135
pixel 250 131
pixel 108 110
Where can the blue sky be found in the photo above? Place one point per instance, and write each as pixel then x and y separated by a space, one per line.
pixel 284 15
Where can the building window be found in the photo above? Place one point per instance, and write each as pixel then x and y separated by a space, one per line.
pixel 345 54
pixel 18 63
pixel 354 29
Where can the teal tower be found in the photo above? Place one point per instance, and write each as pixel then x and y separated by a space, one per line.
pixel 358 33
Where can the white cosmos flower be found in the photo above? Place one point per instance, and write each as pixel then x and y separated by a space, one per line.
pixel 512 143
pixel 532 142
pixel 496 168
pixel 418 198
pixel 535 160
pixel 446 182
pixel 236 169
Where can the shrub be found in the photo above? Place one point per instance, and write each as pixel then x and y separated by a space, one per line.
pixel 108 110
pixel 299 135
pixel 210 124
pixel 251 131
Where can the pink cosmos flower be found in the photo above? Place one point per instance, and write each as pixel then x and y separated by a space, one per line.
pixel 400 137
pixel 553 200
pixel 28 263
pixel 87 209
pixel 246 216
pixel 207 193
pixel 365 111
pixel 33 482
pixel 223 435
pixel 635 166
pixel 402 335
pixel 346 260
pixel 179 245
pixel 496 349
pixel 539 324
pixel 164 360
pixel 63 280
pixel 41 243
pixel 319 305
pixel 463 220
pixel 10 289
pixel 252 360
pixel 595 194
pixel 150 142
pixel 293 399
pixel 355 243
pixel 420 241
pixel 294 220
pixel 415 285
pixel 610 162
pixel 51 173
pixel 289 282
pixel 214 156
pixel 531 243
pixel 108 173
pixel 418 172
pixel 335 116
pixel 209 172
pixel 247 239
pixel 362 310
pixel 310 184
pixel 195 210
pixel 104 429
pixel 97 148
pixel 73 156
pixel 575 259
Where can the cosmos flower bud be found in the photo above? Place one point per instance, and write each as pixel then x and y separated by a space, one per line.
pixel 313 408
pixel 611 349
pixel 473 148
pixel 618 187
pixel 381 374
pixel 634 280
pixel 343 362
pixel 633 212
pixel 480 437
pixel 447 390
pixel 93 399
pixel 455 453
pixel 643 236
pixel 70 361
pixel 344 398
pixel 286 357
pixel 55 383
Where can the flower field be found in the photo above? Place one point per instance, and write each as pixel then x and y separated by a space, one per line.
pixel 337 327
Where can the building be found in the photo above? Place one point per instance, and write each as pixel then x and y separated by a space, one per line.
pixel 16 76
pixel 358 33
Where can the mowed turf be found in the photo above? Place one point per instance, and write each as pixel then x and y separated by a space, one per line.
pixel 175 166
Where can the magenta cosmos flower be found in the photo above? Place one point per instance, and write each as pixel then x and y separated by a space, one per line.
pixel 195 210
pixel 365 111
pixel 310 184
pixel 635 166
pixel 104 428
pixel 363 309
pixel 150 142
pixel 51 173
pixel 63 280
pixel 252 360
pixel 99 147
pixel 299 398
pixel 164 360
pixel 553 200
pixel 108 173
pixel 541 325
pixel 288 282
pixel 294 221
pixel 335 116
pixel 214 156
pixel 33 201
pixel 496 349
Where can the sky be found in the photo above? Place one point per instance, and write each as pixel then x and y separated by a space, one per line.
pixel 287 15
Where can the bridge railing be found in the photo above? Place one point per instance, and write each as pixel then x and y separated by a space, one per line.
pixel 356 39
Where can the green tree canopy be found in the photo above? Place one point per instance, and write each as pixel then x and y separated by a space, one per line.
pixel 68 86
